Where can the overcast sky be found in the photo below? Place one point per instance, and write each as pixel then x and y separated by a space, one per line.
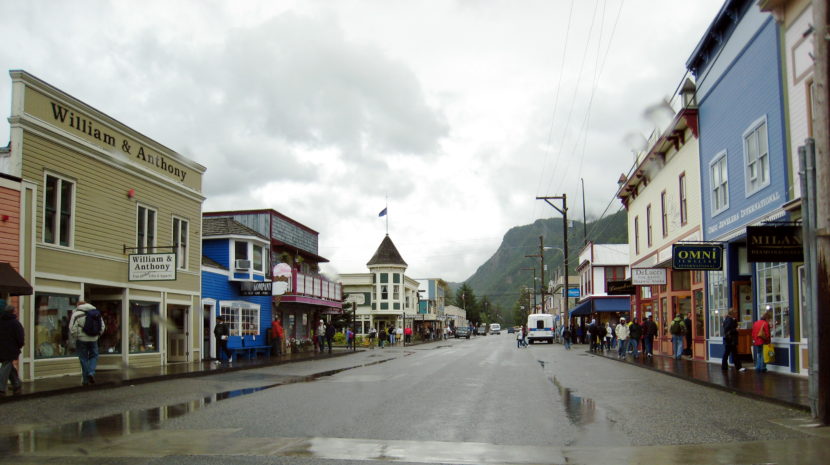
pixel 459 112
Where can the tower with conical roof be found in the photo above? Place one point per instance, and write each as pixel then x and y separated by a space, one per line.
pixel 387 268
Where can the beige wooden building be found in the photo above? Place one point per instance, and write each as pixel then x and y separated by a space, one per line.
pixel 108 216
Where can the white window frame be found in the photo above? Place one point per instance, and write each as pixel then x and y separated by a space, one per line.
pixel 146 247
pixel 717 300
pixel 181 248
pixel 762 159
pixel 772 284
pixel 721 157
pixel 237 312
pixel 57 229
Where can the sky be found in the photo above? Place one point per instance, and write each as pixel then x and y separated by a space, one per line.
pixel 452 114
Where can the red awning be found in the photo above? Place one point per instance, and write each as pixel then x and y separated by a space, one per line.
pixel 12 283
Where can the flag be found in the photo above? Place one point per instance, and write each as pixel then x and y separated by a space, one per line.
pixel 382 212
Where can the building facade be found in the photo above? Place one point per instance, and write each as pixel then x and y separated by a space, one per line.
pixel 662 198
pixel 745 174
pixel 12 284
pixel 600 265
pixel 385 296
pixel 108 216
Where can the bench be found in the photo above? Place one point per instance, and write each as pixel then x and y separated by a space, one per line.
pixel 256 345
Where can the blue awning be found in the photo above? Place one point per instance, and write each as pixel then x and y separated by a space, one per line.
pixel 614 304
pixel 582 309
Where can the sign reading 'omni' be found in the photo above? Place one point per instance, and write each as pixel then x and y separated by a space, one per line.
pixel 697 256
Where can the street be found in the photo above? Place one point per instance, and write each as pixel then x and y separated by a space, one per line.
pixel 457 401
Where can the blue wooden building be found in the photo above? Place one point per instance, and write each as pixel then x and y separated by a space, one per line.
pixel 235 284
pixel 744 166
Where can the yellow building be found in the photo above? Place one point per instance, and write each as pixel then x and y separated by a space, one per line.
pixel 108 216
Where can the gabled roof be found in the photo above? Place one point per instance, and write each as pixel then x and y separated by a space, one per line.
pixel 227 227
pixel 387 254
pixel 207 261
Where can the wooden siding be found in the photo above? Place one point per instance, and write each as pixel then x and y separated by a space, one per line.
pixel 145 360
pixel 69 286
pixel 10 229
pixel 138 294
pixel 104 216
pixel 57 367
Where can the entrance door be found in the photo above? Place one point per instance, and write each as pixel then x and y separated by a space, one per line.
pixel 208 348
pixel 177 332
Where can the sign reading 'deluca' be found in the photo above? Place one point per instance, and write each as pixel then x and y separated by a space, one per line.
pixel 254 288
pixel 152 267
pixel 697 256
pixel 623 287
pixel 774 244
pixel 648 276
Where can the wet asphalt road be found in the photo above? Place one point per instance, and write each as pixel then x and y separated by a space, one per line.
pixel 458 401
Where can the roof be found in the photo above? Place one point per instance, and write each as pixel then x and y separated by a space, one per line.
pixel 227 227
pixel 387 254
pixel 207 261
pixel 718 33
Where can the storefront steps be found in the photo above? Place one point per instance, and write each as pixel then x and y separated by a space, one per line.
pixel 784 389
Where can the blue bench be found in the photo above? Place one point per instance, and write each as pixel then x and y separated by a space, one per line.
pixel 256 345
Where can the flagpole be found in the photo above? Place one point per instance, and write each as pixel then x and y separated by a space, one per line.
pixel 387 215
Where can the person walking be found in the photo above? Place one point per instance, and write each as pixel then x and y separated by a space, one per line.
pixel 277 334
pixel 566 337
pixel 372 334
pixel 524 335
pixel 761 335
pixel 382 337
pixel 519 339
pixel 392 335
pixel 622 337
pixel 602 334
pixel 11 341
pixel 635 332
pixel 609 335
pixel 649 333
pixel 349 339
pixel 407 335
pixel 688 323
pixel 222 333
pixel 730 342
pixel 86 335
pixel 321 335
pixel 329 335
pixel 592 336
pixel 678 332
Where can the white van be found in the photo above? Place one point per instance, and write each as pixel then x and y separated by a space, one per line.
pixel 539 327
pixel 495 328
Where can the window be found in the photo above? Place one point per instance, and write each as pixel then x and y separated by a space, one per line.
pixel 144 329
pixel 258 258
pixel 242 317
pixel 664 214
pixel 756 156
pixel 58 203
pixel 180 241
pixel 718 301
pixel 681 280
pixel 52 314
pixel 773 296
pixel 240 250
pixel 384 292
pixel 613 273
pixel 719 181
pixel 648 225
pixel 645 292
pixel 396 292
pixel 146 230
pixel 684 215
pixel 637 235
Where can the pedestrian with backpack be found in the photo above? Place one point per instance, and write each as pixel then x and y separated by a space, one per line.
pixel 86 326
pixel 678 331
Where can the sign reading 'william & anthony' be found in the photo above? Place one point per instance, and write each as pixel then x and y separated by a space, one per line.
pixel 697 256
pixel 774 244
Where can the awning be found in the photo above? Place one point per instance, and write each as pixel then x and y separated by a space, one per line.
pixel 582 309
pixel 12 283
pixel 601 304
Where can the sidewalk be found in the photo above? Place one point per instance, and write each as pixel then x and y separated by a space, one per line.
pixel 785 389
pixel 105 379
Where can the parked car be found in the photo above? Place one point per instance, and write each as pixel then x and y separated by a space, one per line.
pixel 511 330
pixel 462 331
pixel 495 328
pixel 481 330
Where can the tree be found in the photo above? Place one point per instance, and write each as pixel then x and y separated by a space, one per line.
pixel 521 307
pixel 465 298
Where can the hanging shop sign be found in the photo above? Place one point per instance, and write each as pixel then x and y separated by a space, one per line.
pixel 358 298
pixel 648 276
pixel 254 288
pixel 152 267
pixel 774 244
pixel 573 292
pixel 697 256
pixel 624 287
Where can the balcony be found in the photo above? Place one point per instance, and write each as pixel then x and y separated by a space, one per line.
pixel 313 290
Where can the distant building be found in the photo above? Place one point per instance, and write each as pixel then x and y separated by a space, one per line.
pixel 600 264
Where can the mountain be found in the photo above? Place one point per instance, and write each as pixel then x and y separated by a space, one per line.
pixel 501 277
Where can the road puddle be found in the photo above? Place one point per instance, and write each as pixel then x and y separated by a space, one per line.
pixel 593 421
pixel 31 439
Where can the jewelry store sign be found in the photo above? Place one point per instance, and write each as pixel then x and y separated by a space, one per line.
pixel 697 257
pixel 648 276
pixel 152 267
pixel 774 244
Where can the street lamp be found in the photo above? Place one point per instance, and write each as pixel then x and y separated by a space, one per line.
pixel 534 286
pixel 564 212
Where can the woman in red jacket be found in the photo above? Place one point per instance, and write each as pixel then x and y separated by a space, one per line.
pixel 760 336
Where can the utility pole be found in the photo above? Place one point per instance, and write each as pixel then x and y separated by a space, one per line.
pixel 533 288
pixel 564 212
pixel 542 285
pixel 584 223
pixel 821 133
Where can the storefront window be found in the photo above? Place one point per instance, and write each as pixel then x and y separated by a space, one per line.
pixel 144 329
pixel 680 280
pixel 242 317
pixel 663 318
pixel 718 302
pixel 110 341
pixel 52 313
pixel 773 295
pixel 697 321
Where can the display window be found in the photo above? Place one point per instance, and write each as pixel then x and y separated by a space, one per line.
pixel 242 317
pixel 144 329
pixel 52 314
pixel 773 295
pixel 110 341
pixel 718 301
